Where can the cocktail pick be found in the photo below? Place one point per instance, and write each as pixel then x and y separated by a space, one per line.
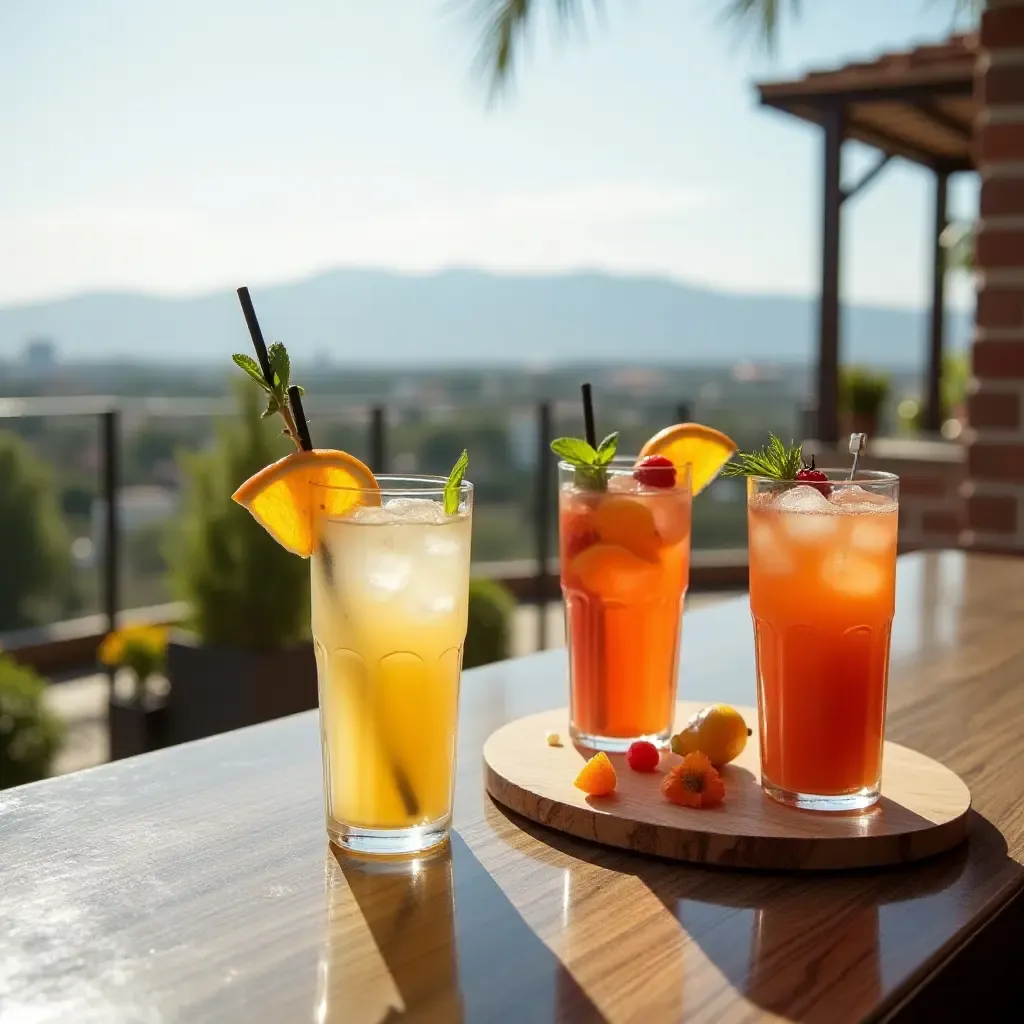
pixel 857 442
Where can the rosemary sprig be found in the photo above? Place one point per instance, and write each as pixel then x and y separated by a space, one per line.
pixel 774 460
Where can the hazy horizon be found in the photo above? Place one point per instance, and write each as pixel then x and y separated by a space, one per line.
pixel 282 143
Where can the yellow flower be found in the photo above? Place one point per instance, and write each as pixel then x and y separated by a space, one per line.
pixel 141 647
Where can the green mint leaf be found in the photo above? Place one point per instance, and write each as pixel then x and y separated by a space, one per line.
pixel 281 365
pixel 451 488
pixel 273 407
pixel 607 448
pixel 252 368
pixel 574 450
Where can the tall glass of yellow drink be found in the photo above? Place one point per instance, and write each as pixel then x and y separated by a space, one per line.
pixel 390 591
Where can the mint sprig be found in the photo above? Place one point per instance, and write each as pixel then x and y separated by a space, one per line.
pixel 775 460
pixel 276 390
pixel 589 462
pixel 454 484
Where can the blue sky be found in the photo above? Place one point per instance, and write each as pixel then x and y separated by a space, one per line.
pixel 177 148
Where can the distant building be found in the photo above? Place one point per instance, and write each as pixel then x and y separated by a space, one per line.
pixel 39 356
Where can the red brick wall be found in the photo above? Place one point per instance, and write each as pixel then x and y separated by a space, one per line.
pixel 994 491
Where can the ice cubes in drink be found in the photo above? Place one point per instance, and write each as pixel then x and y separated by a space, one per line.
pixel 807 515
pixel 854 498
pixel 770 555
pixel 848 573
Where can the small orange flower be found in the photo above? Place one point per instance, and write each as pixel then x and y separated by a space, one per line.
pixel 694 783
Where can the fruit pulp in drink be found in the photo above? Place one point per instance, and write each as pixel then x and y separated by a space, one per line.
pixel 625 558
pixel 822 597
pixel 389 612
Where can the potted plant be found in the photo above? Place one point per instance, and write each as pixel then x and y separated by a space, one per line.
pixel 30 734
pixel 136 719
pixel 489 635
pixel 245 656
pixel 862 393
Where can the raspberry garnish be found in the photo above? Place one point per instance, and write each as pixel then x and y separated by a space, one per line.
pixel 642 756
pixel 655 471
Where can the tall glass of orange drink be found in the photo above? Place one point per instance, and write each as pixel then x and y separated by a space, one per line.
pixel 822 597
pixel 624 547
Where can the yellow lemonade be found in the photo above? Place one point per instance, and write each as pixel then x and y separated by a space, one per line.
pixel 389 612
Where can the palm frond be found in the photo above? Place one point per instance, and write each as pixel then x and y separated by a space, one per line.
pixel 505 24
pixel 764 17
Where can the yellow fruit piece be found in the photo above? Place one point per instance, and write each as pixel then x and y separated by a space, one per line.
pixel 707 450
pixel 718 731
pixel 553 739
pixel 279 495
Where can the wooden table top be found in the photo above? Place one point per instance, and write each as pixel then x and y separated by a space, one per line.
pixel 196 884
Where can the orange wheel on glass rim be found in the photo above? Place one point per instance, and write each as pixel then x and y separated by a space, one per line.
pixel 279 495
pixel 706 450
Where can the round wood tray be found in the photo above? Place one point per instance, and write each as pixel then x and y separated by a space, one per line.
pixel 923 809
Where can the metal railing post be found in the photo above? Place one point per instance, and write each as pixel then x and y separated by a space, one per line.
pixel 683 412
pixel 109 473
pixel 378 440
pixel 543 519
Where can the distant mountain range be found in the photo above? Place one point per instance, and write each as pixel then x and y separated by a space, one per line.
pixel 462 317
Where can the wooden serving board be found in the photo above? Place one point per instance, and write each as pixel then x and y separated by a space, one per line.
pixel 923 809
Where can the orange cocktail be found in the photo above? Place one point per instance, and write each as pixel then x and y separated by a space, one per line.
pixel 625 557
pixel 822 596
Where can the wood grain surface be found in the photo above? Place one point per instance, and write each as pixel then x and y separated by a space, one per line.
pixel 924 810
pixel 196 884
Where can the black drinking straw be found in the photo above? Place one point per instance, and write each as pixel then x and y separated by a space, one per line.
pixel 405 790
pixel 588 415
pixel 299 417
pixel 295 399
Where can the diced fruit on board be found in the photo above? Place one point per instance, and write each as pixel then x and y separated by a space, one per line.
pixel 643 756
pixel 279 495
pixel 705 449
pixel 597 777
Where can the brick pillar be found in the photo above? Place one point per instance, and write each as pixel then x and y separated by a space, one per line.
pixel 994 490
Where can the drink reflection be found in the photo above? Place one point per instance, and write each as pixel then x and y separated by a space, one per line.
pixel 390 949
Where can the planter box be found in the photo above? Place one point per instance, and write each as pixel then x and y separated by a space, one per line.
pixel 136 727
pixel 217 689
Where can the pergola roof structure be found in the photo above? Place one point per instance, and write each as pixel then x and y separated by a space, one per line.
pixel 918 105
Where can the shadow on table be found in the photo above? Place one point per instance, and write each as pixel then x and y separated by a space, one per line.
pixel 777 937
pixel 436 939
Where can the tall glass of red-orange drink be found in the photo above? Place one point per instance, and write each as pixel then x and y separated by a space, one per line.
pixel 822 597
pixel 624 545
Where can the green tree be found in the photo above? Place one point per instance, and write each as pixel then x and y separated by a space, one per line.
pixel 506 22
pixel 243 588
pixel 35 569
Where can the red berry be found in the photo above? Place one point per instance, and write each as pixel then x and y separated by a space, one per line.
pixel 642 756
pixel 655 471
pixel 814 478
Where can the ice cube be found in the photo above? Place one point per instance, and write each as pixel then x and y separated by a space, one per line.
pixel 416 510
pixel 852 575
pixel 873 534
pixel 853 498
pixel 801 498
pixel 387 572
pixel 807 515
pixel 765 550
pixel 624 483
pixel 373 514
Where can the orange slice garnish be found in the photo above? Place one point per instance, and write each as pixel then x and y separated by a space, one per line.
pixel 707 450
pixel 279 495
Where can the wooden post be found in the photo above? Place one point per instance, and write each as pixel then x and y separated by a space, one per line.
pixel 936 323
